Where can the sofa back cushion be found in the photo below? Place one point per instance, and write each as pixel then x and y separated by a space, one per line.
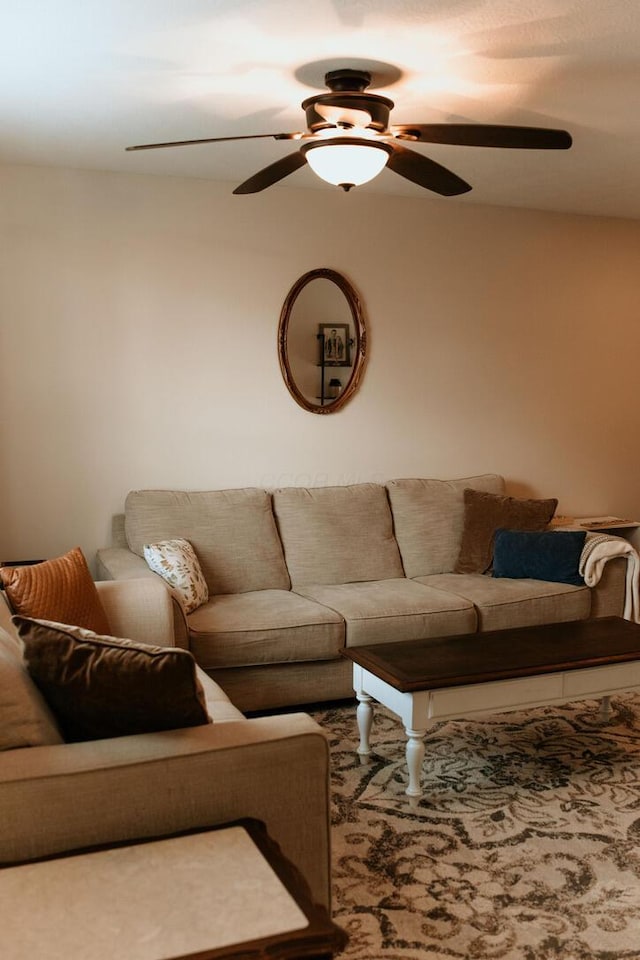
pixel 337 534
pixel 428 517
pixel 25 718
pixel 233 533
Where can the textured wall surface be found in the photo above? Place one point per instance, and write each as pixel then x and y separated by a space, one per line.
pixel 138 321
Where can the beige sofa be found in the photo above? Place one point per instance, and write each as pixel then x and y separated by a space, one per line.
pixel 57 796
pixel 296 574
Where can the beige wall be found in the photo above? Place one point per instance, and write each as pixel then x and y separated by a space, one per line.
pixel 138 347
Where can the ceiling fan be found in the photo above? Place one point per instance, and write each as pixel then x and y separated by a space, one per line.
pixel 349 140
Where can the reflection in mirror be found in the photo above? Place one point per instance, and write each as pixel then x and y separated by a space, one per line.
pixel 322 341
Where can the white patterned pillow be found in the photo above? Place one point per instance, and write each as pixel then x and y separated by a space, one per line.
pixel 176 562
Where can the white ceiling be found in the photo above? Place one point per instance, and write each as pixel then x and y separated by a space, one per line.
pixel 82 79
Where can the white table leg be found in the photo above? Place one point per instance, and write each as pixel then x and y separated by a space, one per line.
pixel 415 756
pixel 605 709
pixel 364 715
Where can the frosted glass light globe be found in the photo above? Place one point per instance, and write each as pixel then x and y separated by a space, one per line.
pixel 346 164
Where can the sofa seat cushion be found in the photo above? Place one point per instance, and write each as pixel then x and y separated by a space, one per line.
pixel 264 626
pixel 502 603
pixel 337 534
pixel 397 609
pixel 428 519
pixel 219 707
pixel 233 533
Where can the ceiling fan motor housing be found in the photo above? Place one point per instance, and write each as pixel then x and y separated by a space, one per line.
pixel 348 93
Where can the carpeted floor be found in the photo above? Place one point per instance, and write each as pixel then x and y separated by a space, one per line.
pixel 525 846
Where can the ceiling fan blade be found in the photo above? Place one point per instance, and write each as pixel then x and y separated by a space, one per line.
pixel 339 115
pixel 275 171
pixel 188 143
pixel 487 135
pixel 425 172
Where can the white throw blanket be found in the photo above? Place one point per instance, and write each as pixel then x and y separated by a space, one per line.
pixel 601 548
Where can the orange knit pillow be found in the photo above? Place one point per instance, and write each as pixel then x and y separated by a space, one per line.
pixel 61 590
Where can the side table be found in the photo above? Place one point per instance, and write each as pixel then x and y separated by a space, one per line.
pixel 217 894
pixel 614 525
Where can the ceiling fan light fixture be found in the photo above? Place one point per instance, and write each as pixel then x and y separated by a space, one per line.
pixel 349 140
pixel 346 162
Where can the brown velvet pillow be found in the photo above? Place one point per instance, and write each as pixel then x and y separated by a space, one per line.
pixel 484 513
pixel 99 686
pixel 61 590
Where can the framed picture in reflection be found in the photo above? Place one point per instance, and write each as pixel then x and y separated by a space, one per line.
pixel 335 344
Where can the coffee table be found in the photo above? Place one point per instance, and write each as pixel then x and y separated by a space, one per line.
pixel 444 677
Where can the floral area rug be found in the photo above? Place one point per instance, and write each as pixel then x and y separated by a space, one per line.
pixel 525 845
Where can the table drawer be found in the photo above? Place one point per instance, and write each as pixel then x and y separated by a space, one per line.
pixel 481 697
pixel 591 682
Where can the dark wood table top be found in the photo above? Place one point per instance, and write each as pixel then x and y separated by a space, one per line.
pixel 456 661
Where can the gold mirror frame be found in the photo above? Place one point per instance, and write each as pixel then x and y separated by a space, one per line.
pixel 359 347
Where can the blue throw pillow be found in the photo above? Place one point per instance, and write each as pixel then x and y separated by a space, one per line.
pixel 545 555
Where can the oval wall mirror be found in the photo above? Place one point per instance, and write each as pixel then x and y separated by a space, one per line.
pixel 322 341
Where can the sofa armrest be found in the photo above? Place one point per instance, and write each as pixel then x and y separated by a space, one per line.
pixel 138 610
pixel 69 796
pixel 608 595
pixel 120 563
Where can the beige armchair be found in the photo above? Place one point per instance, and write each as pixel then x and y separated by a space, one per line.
pixel 66 796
